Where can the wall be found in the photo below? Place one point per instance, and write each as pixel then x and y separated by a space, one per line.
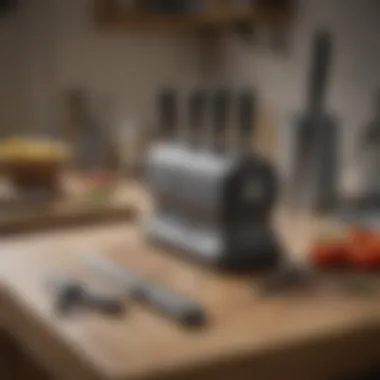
pixel 49 46
pixel 13 99
pixel 355 73
pixel 53 45
pixel 127 67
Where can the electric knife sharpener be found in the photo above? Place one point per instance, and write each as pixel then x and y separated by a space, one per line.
pixel 211 204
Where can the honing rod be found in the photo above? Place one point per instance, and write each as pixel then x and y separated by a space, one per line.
pixel 165 301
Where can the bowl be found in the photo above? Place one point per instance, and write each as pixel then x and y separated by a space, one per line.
pixel 33 163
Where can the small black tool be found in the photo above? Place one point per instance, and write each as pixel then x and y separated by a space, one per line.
pixel 71 295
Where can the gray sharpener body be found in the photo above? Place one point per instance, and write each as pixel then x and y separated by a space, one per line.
pixel 213 207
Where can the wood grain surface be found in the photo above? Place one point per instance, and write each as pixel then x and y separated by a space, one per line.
pixel 45 220
pixel 246 337
pixel 67 211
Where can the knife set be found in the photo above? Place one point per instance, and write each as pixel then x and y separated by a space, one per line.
pixel 212 202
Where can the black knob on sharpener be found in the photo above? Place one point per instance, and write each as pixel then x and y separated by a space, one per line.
pixel 197 113
pixel 247 106
pixel 167 109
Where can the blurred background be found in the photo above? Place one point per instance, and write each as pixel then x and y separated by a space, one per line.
pixel 80 87
pixel 50 48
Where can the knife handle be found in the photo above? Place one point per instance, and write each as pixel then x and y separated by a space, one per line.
pixel 167 107
pixel 220 110
pixel 197 113
pixel 111 305
pixel 170 304
pixel 247 106
pixel 377 105
pixel 72 294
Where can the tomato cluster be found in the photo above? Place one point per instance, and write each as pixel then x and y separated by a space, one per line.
pixel 360 248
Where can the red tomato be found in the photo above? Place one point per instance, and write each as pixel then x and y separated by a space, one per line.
pixel 366 256
pixel 360 235
pixel 329 254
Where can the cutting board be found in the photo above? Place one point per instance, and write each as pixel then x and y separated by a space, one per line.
pixel 68 210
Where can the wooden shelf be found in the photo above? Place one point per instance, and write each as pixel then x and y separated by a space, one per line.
pixel 215 16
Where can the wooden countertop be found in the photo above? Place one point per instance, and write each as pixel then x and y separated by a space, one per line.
pixel 72 207
pixel 247 337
